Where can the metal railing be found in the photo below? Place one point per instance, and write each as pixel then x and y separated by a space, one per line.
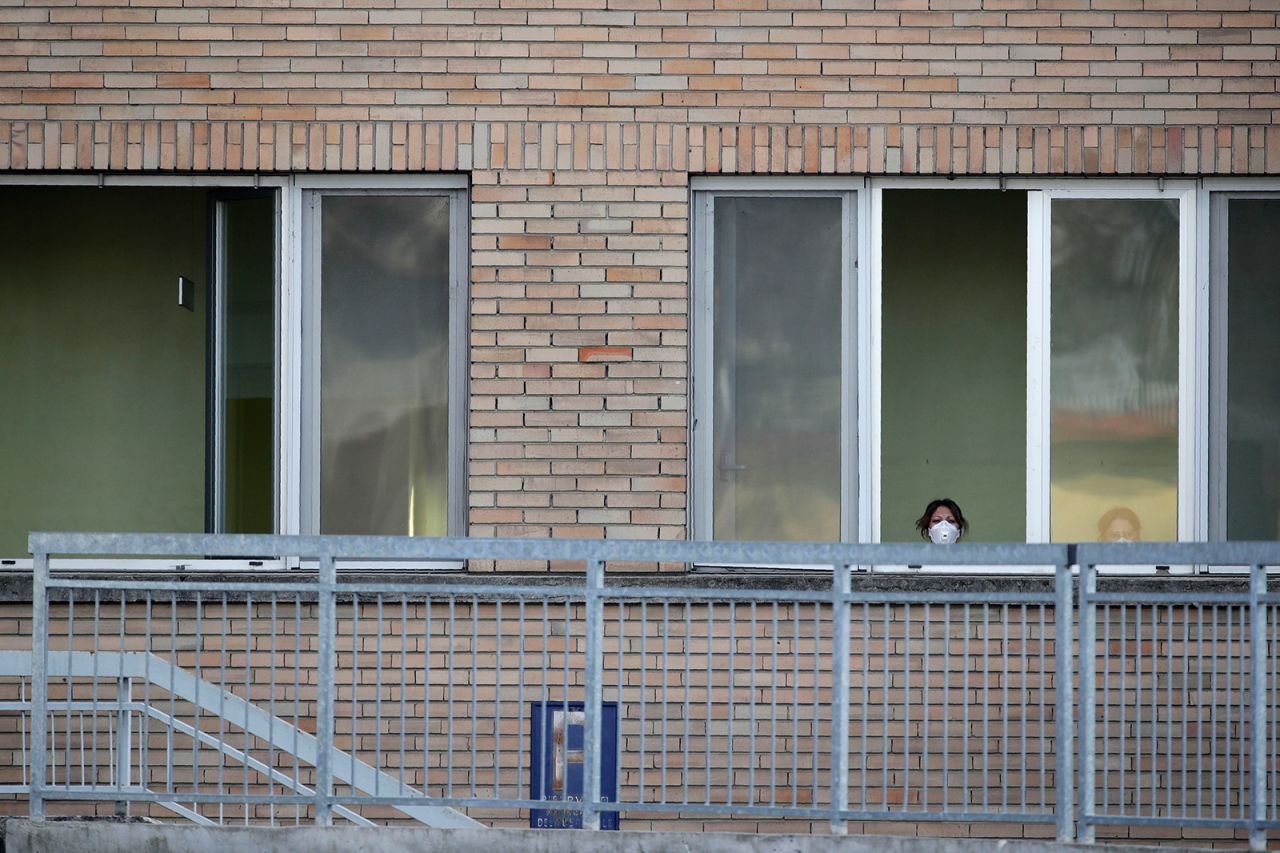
pixel 827 705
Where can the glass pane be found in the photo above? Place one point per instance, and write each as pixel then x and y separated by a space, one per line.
pixel 954 402
pixel 776 465
pixel 248 258
pixel 384 365
pixel 102 377
pixel 1253 369
pixel 1114 369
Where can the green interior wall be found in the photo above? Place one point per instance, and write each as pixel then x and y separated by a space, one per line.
pixel 102 375
pixel 954 309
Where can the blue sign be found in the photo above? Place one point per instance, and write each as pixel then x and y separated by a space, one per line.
pixel 556 762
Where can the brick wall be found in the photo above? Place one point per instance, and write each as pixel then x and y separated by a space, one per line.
pixel 580 122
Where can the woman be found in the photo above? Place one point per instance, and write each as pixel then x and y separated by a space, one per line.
pixel 942 523
pixel 1119 524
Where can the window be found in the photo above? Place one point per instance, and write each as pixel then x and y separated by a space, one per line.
pixel 1245 374
pixel 295 381
pixel 1028 349
pixel 384 371
pixel 773 314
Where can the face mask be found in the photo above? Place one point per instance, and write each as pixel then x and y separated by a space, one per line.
pixel 1122 539
pixel 944 533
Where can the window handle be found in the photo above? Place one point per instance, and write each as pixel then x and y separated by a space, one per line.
pixel 728 465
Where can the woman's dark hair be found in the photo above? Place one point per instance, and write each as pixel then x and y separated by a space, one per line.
pixel 922 524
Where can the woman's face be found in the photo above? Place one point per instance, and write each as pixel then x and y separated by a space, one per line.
pixel 1120 530
pixel 942 513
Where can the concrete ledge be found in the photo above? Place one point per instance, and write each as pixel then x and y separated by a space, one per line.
pixel 92 836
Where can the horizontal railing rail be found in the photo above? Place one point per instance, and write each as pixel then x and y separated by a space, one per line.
pixel 952 703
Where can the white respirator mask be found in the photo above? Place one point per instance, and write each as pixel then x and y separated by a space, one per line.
pixel 944 533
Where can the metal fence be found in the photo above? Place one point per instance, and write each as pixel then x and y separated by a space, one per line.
pixel 314 697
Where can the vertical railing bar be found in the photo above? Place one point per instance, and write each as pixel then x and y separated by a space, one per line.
pixel 1226 708
pixel 1213 716
pixel 297 697
pixel 248 700
pixel 795 703
pixel 986 707
pixel 644 672
pixel 404 689
pixel 751 711
pixel 773 707
pixel 355 679
pixel 124 721
pixel 271 703
pixel 1122 793
pixel 866 698
pixel 40 682
pixel 326 589
pixel 426 694
pixel 93 695
pixel 564 696
pixel 1106 699
pixel 1044 709
pixel 706 741
pixel 1004 713
pixel 926 720
pixel 1064 748
pixel 1186 698
pixel 688 653
pixel 545 703
pixel 906 709
pixel 520 692
pixel 66 752
pixel 1274 653
pixel 666 644
pixel 1200 711
pixel 1258 708
pixel 816 705
pixel 222 711
pixel 84 773
pixel 448 701
pixel 594 705
pixel 1026 702
pixel 377 698
pixel 475 683
pixel 124 724
pixel 1155 712
pixel 966 750
pixel 199 654
pixel 885 683
pixel 22 734
pixel 1137 709
pixel 1243 744
pixel 173 670
pixel 1168 711
pixel 733 692
pixel 841 589
pixel 497 697
pixel 946 708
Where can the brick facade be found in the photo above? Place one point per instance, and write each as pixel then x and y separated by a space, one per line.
pixel 580 123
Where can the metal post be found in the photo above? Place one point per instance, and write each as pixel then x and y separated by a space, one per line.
pixel 1065 810
pixel 594 705
pixel 326 592
pixel 124 740
pixel 1088 697
pixel 39 682
pixel 841 579
pixel 1258 707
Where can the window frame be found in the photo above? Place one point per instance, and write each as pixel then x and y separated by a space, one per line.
pixel 291 337
pixel 854 345
pixel 303 454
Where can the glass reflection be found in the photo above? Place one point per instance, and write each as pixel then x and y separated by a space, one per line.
pixel 777 368
pixel 384 365
pixel 1253 369
pixel 1114 365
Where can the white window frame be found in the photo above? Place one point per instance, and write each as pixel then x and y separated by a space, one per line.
pixel 1192 441
pixel 1213 201
pixel 292 335
pixel 855 362
pixel 304 454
